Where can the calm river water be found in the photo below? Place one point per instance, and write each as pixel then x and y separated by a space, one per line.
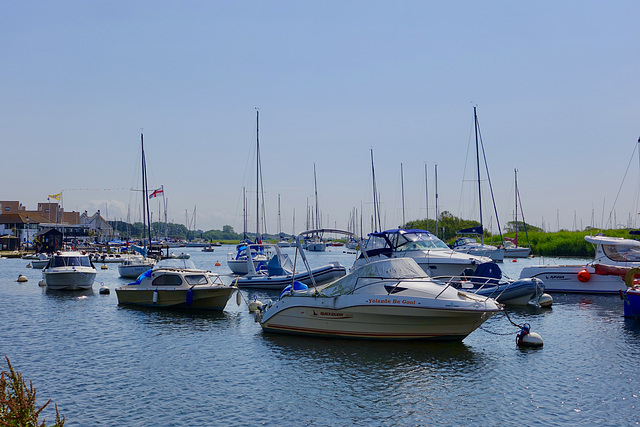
pixel 108 365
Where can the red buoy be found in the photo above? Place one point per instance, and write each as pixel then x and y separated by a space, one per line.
pixel 584 276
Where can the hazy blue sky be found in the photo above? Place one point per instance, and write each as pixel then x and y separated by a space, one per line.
pixel 556 85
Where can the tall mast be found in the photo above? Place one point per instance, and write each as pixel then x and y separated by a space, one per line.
pixel 376 208
pixel 516 198
pixel 145 188
pixel 402 185
pixel 475 120
pixel 426 193
pixel 315 185
pixel 257 175
pixel 436 183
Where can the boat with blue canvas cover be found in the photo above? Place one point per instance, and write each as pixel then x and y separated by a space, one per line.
pixel 277 272
pixel 176 283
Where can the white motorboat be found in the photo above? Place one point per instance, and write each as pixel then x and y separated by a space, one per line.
pixel 133 266
pixel 390 299
pixel 471 246
pixel 70 270
pixel 237 262
pixel 605 274
pixel 176 283
pixel 277 273
pixel 40 262
pixel 431 253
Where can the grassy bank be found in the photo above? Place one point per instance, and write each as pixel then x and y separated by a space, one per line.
pixel 562 243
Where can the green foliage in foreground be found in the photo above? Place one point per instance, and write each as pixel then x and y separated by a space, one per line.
pixel 18 402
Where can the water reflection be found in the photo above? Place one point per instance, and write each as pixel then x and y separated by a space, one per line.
pixel 66 295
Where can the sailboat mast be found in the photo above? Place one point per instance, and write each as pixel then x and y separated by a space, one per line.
pixel 402 185
pixel 376 209
pixel 426 193
pixel 436 187
pixel 257 175
pixel 475 121
pixel 145 187
pixel 315 186
pixel 516 200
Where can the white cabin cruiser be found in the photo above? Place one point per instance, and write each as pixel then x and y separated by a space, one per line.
pixel 389 299
pixel 431 253
pixel 604 275
pixel 69 270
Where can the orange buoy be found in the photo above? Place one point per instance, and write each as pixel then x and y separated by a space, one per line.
pixel 584 276
pixel 515 260
pixel 217 263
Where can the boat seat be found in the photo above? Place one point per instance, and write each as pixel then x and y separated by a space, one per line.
pixel 380 251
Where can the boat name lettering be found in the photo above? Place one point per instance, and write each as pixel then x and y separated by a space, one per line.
pixel 328 313
pixel 391 301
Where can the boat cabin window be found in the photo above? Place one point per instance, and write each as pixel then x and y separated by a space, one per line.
pixel 73 261
pixel 622 253
pixel 168 280
pixel 196 279
pixel 376 242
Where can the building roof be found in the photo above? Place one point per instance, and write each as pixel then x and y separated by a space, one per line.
pixel 23 218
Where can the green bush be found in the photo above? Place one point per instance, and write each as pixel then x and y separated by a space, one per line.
pixel 18 402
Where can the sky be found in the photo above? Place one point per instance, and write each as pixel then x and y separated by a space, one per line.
pixel 555 84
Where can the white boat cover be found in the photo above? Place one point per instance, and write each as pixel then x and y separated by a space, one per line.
pixel 393 268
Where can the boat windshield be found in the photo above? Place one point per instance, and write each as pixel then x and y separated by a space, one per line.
pixel 196 279
pixel 622 253
pixel 71 261
pixel 395 269
pixel 419 241
pixel 175 263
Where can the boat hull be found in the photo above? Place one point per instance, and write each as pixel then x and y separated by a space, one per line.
pixel 239 266
pixel 69 280
pixel 203 299
pixel 564 278
pixel 320 275
pixel 517 252
pixel 377 322
pixel 132 271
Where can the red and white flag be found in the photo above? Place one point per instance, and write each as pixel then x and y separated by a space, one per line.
pixel 157 192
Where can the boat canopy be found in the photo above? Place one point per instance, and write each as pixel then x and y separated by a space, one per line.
pixel 394 268
pixel 605 240
pixel 472 230
pixel 404 240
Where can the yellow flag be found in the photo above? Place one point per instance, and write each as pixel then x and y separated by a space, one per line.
pixel 55 196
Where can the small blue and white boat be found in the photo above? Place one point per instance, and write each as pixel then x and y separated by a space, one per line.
pixel 277 272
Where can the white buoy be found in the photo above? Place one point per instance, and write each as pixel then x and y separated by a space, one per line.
pixel 155 296
pixel 104 266
pixel 532 339
pixel 526 338
pixel 255 305
pixel 42 283
pixel 545 300
pixel 22 278
pixel 104 290
pixel 29 265
pixel 238 298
